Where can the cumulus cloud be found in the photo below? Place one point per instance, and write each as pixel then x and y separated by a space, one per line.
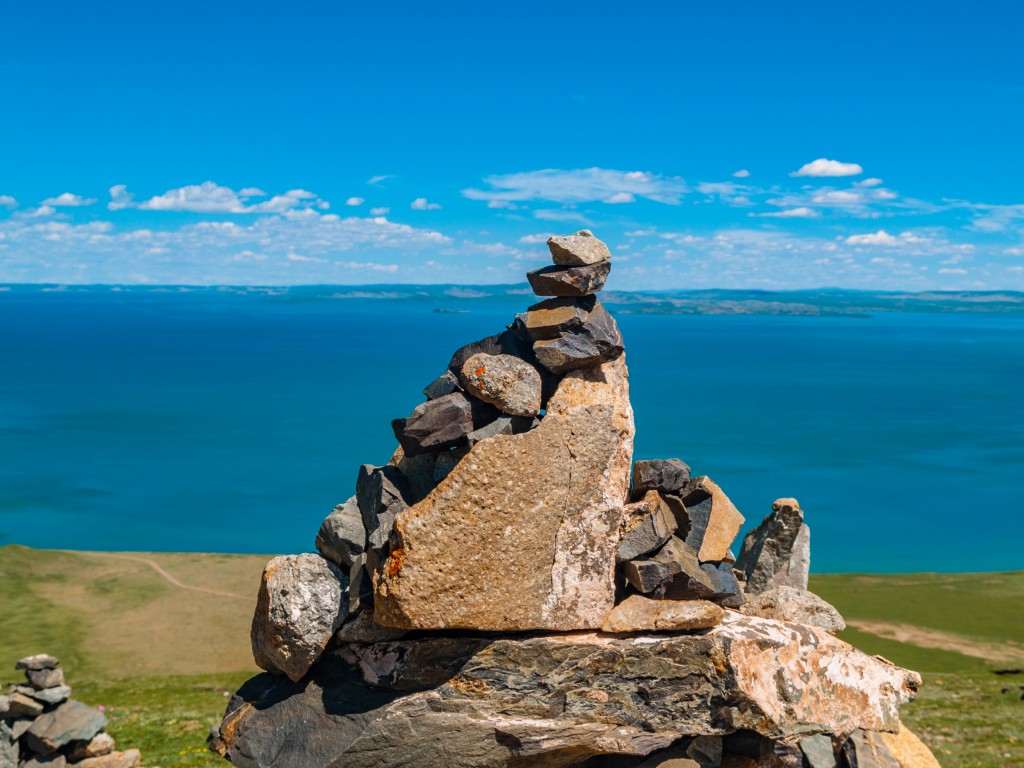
pixel 209 197
pixel 355 201
pixel 742 173
pixel 6 201
pixel 881 237
pixel 824 167
pixel 422 204
pixel 583 185
pixel 68 200
pixel 790 213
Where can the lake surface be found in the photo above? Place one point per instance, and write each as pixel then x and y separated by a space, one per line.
pixel 233 423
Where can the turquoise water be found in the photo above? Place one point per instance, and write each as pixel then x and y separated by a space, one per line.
pixel 210 422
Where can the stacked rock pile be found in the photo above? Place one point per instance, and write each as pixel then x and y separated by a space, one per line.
pixel 41 725
pixel 511 590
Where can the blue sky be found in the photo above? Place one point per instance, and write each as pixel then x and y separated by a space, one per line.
pixel 759 145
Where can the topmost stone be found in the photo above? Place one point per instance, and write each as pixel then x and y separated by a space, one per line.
pixel 38 662
pixel 578 249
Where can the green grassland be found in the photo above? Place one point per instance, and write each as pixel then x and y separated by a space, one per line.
pixel 160 641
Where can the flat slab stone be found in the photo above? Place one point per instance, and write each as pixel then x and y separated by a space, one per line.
pixel 535 517
pixel 441 423
pixel 641 614
pixel 569 281
pixel 71 721
pixel 554 700
pixel 578 249
pixel 39 661
pixel 303 600
pixel 130 758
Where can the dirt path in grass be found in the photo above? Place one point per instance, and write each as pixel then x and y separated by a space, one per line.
pixel 164 574
pixel 944 641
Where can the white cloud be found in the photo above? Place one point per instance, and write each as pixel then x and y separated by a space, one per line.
pixel 584 185
pixel 354 201
pixel 621 197
pixel 505 205
pixel 252 192
pixel 742 173
pixel 839 197
pixel 43 210
pixel 380 211
pixel 69 200
pixel 823 167
pixel 539 238
pixel 872 182
pixel 376 180
pixel 790 213
pixel 6 201
pixel 300 257
pixel 209 197
pixel 422 204
pixel 881 237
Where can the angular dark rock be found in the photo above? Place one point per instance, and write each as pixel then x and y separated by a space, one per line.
pixel 503 425
pixel 71 721
pixel 645 576
pixel 46 696
pixel 867 750
pixel 727 590
pixel 45 678
pixel 777 552
pixel 552 318
pixel 567 339
pixel 505 343
pixel 39 661
pixel 673 571
pixel 342 537
pixel 649 524
pixel 665 475
pixel 578 249
pixel 381 493
pixel 569 281
pixel 447 461
pixel 20 705
pixel 443 385
pixel 555 700
pixel 818 751
pixel 303 600
pixel 441 423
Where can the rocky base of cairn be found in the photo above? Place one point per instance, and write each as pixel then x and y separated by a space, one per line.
pixel 41 725
pixel 511 590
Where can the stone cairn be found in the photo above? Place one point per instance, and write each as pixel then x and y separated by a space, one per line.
pixel 511 591
pixel 41 726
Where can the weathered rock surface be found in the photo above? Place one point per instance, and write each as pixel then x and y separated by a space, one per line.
pixel 45 678
pixel 866 749
pixel 71 721
pixel 8 747
pixel 506 382
pixel 569 334
pixel 443 385
pixel 100 744
pixel 712 520
pixel 665 475
pixel 49 761
pixel 381 493
pixel 363 629
pixel 649 523
pixel 569 281
pixel 819 751
pixel 641 614
pixel 535 517
pixel 342 537
pixel 130 758
pixel 908 749
pixel 20 705
pixel 46 696
pixel 799 605
pixel 557 699
pixel 578 249
pixel 503 425
pixel 302 602
pixel 37 662
pixel 441 423
pixel 777 552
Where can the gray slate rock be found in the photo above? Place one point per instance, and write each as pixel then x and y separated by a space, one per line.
pixel 650 523
pixel 45 678
pixel 342 537
pixel 578 249
pixel 8 747
pixel 570 334
pixel 19 725
pixel 659 572
pixel 71 721
pixel 508 383
pixel 797 605
pixel 503 425
pixel 20 705
pixel 555 700
pixel 441 423
pixel 50 761
pixel 46 696
pixel 867 750
pixel 39 661
pixel 818 751
pixel 303 600
pixel 665 475
pixel 381 494
pixel 443 385
pixel 777 552
pixel 569 281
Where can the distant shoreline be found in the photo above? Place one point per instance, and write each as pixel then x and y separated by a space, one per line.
pixel 458 299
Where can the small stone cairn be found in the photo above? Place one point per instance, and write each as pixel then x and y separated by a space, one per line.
pixel 511 590
pixel 40 725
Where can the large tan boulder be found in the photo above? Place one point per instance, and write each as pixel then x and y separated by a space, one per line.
pixel 522 533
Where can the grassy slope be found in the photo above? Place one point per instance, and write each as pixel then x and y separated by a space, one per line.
pixel 161 658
